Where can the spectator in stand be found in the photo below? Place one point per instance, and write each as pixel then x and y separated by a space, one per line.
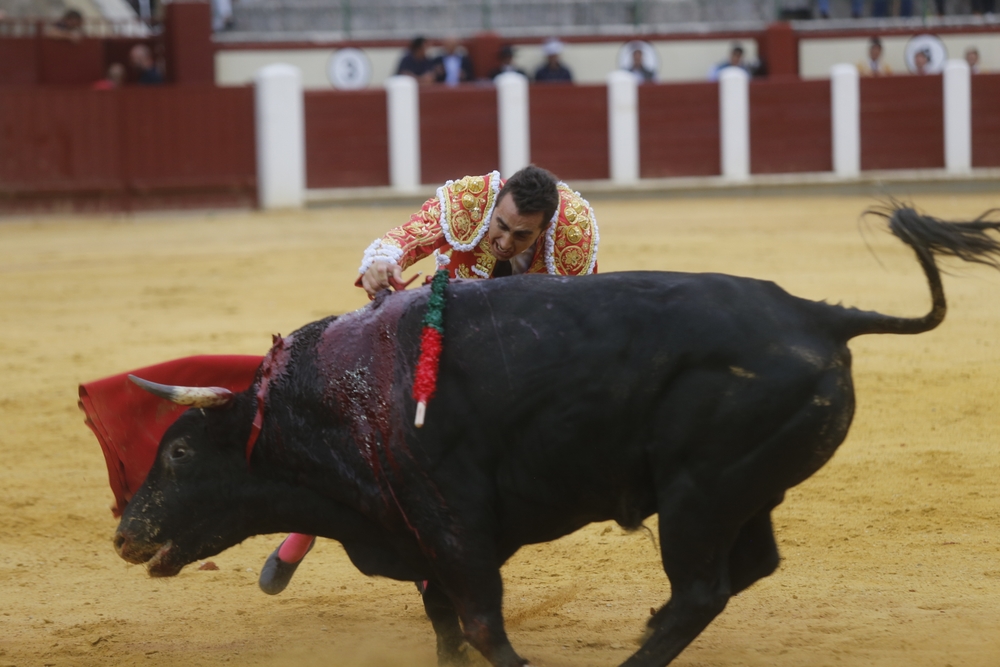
pixel 972 57
pixel 506 60
pixel 874 66
pixel 416 63
pixel 735 60
pixel 983 6
pixel 553 71
pixel 921 59
pixel 453 66
pixel 70 26
pixel 115 78
pixel 145 67
pixel 146 10
pixel 642 73
pixel 883 8
pixel 222 15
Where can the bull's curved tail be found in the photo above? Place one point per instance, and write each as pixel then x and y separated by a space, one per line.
pixel 929 237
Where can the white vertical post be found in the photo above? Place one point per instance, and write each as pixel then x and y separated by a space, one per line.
pixel 513 129
pixel 957 116
pixel 281 137
pixel 845 115
pixel 403 105
pixel 623 126
pixel 734 122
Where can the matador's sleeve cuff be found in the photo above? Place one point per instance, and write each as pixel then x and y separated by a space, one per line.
pixel 380 251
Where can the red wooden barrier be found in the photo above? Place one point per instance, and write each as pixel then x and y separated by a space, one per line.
pixel 790 126
pixel 188 137
pixel 64 61
pixel 18 60
pixel 128 148
pixel 569 130
pixel 346 139
pixel 986 120
pixel 458 132
pixel 59 140
pixel 679 130
pixel 902 122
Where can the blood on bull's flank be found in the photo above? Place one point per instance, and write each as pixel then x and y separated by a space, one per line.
pixel 698 397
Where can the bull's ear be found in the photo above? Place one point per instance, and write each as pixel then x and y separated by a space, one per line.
pixel 196 397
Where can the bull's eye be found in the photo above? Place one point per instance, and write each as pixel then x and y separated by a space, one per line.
pixel 179 452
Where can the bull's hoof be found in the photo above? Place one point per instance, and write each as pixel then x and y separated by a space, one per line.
pixel 276 573
pixel 459 657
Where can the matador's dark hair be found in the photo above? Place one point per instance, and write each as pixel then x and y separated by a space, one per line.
pixel 534 191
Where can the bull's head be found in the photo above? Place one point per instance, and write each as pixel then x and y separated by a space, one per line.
pixel 190 506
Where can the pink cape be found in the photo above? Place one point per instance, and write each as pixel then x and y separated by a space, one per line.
pixel 129 421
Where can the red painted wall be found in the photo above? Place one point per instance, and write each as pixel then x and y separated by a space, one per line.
pixel 902 122
pixel 127 148
pixel 986 120
pixel 346 139
pixel 569 130
pixel 790 126
pixel 679 130
pixel 458 132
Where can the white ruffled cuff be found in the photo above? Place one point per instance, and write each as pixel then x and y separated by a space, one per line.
pixel 380 252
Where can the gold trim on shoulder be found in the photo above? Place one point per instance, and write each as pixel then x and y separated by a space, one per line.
pixel 466 203
pixel 574 244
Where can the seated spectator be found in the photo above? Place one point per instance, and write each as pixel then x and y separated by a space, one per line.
pixel 642 73
pixel 874 65
pixel 70 26
pixel 416 63
pixel 735 60
pixel 146 9
pixel 553 71
pixel 981 7
pixel 222 15
pixel 506 59
pixel 142 62
pixel 115 78
pixel 453 67
pixel 972 57
pixel 921 59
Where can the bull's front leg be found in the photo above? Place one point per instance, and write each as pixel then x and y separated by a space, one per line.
pixel 441 612
pixel 476 591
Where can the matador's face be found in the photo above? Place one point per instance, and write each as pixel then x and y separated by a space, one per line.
pixel 511 233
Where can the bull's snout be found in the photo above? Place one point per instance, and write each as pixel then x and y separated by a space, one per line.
pixel 159 558
pixel 132 550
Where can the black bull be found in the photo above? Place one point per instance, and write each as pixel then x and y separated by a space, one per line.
pixel 698 397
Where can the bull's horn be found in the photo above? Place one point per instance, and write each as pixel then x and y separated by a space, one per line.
pixel 196 397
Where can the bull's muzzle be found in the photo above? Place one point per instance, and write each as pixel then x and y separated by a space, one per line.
pixel 156 557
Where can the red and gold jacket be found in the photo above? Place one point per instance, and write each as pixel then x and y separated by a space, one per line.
pixel 455 222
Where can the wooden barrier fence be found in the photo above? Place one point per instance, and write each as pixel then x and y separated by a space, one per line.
pixel 128 148
pixel 195 144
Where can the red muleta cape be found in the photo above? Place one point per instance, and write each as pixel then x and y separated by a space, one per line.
pixel 129 421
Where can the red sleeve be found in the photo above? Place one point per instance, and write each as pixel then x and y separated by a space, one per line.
pixel 409 243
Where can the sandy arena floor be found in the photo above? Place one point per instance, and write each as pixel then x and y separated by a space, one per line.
pixel 891 552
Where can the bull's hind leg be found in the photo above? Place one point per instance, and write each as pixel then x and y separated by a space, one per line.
pixel 753 557
pixel 696 562
pixel 755 554
pixel 715 528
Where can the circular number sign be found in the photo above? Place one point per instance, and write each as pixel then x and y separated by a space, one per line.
pixel 349 69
